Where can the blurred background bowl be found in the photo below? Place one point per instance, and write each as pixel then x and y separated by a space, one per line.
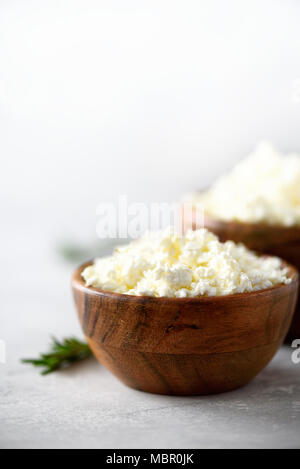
pixel 185 346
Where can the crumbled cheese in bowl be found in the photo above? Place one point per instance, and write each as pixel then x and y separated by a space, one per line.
pixel 164 264
pixel 263 188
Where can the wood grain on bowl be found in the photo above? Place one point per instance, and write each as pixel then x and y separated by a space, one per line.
pixel 185 346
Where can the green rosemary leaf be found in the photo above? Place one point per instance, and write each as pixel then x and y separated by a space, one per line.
pixel 61 355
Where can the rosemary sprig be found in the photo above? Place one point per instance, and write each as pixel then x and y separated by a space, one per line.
pixel 61 355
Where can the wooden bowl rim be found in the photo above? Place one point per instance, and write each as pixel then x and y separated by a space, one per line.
pixel 78 283
pixel 253 226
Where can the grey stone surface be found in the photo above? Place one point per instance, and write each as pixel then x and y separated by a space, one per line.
pixel 87 407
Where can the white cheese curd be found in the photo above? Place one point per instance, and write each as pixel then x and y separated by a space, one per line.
pixel 165 264
pixel 263 188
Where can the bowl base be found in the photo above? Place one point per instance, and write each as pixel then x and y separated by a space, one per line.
pixel 185 375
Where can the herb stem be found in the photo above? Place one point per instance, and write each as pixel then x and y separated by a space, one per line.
pixel 61 355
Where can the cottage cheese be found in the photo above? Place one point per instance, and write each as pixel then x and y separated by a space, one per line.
pixel 165 264
pixel 264 188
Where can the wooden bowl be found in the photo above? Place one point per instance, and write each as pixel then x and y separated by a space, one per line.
pixel 185 346
pixel 280 241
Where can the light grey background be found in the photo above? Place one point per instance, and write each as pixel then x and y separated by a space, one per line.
pixel 151 99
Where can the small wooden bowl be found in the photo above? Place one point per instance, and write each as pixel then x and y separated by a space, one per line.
pixel 185 346
pixel 280 241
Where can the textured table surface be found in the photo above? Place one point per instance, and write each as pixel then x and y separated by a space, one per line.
pixel 86 406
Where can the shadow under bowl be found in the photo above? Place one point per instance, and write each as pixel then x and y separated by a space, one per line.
pixel 185 346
